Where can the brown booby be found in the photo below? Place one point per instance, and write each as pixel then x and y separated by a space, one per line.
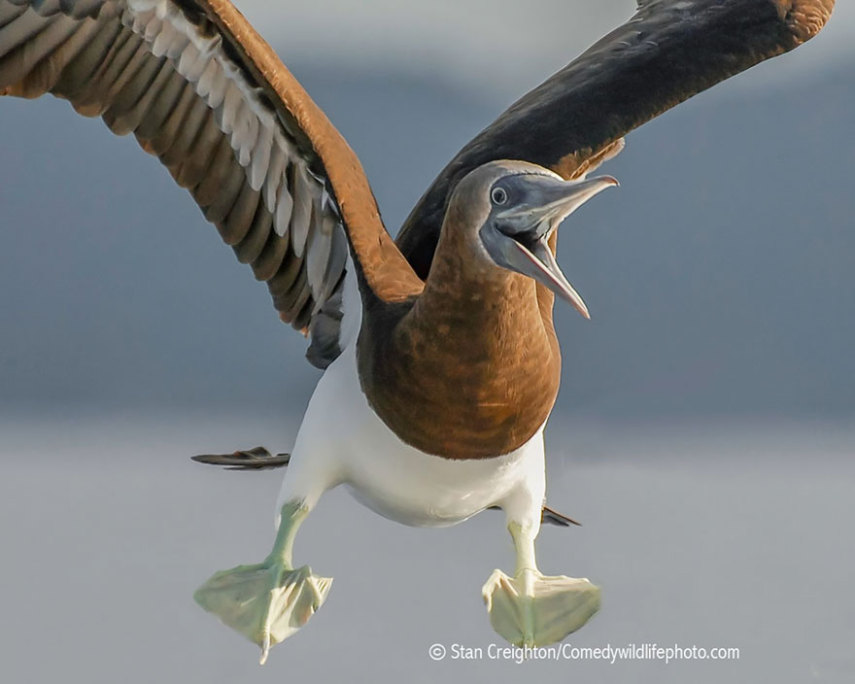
pixel 442 364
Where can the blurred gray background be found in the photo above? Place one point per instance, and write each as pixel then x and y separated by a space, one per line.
pixel 704 433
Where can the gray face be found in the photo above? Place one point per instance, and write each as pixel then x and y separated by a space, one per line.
pixel 524 210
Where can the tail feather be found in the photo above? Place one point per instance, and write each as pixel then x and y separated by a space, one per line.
pixel 257 458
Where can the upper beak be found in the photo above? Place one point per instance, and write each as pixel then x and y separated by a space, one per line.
pixel 527 251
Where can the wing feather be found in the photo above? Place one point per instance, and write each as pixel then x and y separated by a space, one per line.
pixel 270 259
pixel 9 12
pixel 669 51
pixel 200 90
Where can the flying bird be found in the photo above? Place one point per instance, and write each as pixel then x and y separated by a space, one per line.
pixel 441 360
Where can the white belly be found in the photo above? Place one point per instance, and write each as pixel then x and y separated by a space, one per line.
pixel 342 441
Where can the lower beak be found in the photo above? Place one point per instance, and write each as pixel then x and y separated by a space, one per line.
pixel 528 252
pixel 539 263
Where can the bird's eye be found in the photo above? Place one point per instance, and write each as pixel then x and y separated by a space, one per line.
pixel 499 195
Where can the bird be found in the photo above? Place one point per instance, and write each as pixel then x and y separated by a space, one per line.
pixel 441 362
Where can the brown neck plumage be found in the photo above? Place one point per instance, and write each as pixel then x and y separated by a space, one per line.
pixel 468 369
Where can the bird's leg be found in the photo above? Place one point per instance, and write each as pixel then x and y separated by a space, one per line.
pixel 269 601
pixel 532 609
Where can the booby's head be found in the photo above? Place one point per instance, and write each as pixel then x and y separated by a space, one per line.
pixel 517 206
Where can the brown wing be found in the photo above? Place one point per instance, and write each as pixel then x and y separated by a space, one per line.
pixel 201 90
pixel 669 51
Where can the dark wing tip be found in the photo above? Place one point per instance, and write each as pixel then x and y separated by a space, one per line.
pixel 257 458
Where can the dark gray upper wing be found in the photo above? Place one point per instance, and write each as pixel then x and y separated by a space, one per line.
pixel 669 51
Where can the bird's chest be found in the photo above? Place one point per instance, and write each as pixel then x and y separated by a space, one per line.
pixel 462 389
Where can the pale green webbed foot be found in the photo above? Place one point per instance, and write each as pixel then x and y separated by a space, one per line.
pixel 532 609
pixel 266 602
pixel 269 601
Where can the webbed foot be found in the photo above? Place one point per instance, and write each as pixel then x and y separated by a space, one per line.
pixel 269 601
pixel 266 602
pixel 532 609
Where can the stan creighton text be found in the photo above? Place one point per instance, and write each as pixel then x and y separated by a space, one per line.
pixel 607 653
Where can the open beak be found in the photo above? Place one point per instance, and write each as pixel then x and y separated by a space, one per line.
pixel 525 229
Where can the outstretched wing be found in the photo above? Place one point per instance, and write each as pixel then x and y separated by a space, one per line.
pixel 668 52
pixel 201 90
